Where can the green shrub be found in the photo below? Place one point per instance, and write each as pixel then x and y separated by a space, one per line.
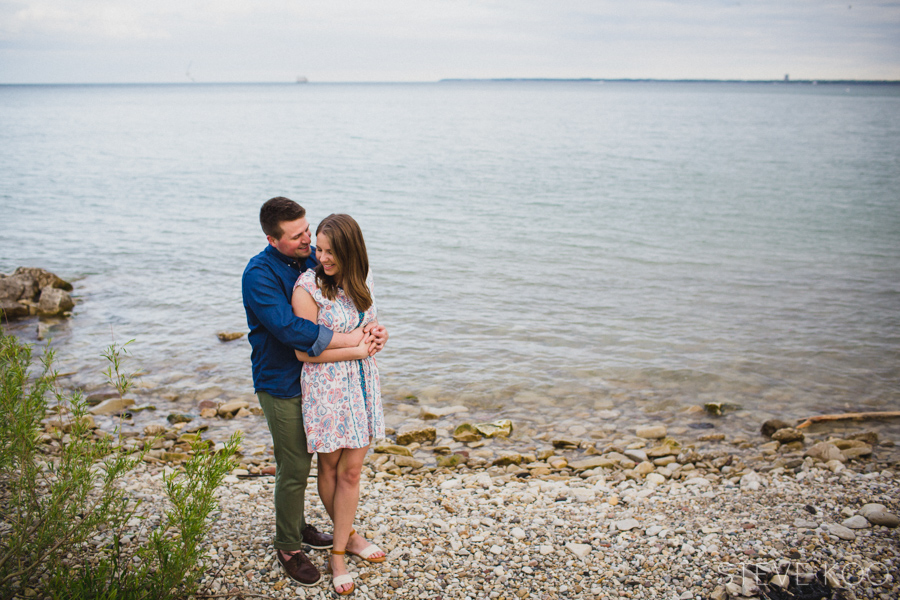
pixel 58 496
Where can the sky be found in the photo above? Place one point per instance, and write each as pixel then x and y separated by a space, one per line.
pixel 137 41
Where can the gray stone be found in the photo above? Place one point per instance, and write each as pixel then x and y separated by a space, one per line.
pixel 13 310
pixel 857 451
pixel 877 514
pixel 54 301
pixel 637 456
pixel 668 447
pixel 856 522
pixel 870 508
pixel 227 336
pixel 840 531
pixel 579 550
pixel 788 435
pixel 653 432
pixel 627 524
pixel 825 451
pixel 113 405
pixel 11 289
pixel 393 449
pixel 566 442
pixel 42 278
pixel 232 407
pixel 408 461
pixel 581 494
pixel 773 425
pixel 804 524
pixel 592 463
pixel 698 481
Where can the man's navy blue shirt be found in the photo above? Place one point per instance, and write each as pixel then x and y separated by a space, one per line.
pixel 267 286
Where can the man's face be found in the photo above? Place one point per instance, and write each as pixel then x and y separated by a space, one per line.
pixel 295 238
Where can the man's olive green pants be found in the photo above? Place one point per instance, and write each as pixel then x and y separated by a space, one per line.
pixel 292 463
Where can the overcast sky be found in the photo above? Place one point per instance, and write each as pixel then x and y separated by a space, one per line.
pixel 94 41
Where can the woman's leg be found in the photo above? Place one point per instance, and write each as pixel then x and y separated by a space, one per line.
pixel 326 479
pixel 347 464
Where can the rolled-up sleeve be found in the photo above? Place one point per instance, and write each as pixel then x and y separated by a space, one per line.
pixel 264 297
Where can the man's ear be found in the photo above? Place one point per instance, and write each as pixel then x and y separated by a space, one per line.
pixel 271 240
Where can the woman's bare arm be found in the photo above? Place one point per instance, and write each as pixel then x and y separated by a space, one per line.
pixel 306 308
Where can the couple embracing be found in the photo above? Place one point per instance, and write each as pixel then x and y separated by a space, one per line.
pixel 314 334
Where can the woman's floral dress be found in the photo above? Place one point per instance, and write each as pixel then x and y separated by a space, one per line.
pixel 341 400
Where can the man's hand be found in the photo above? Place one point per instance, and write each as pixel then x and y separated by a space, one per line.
pixel 378 335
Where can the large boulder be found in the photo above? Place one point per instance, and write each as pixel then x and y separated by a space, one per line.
pixel 11 309
pixel 28 286
pixel 54 301
pixel 42 278
pixel 11 288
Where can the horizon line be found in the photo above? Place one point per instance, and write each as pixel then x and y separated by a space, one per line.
pixel 485 80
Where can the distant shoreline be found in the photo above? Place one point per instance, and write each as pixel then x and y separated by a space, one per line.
pixel 751 81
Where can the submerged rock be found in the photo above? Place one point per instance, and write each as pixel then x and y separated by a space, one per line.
pixel 111 406
pixel 414 433
pixel 500 428
pixel 54 302
pixel 227 336
pixel 773 425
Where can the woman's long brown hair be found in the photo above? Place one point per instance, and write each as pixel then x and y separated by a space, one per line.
pixel 349 249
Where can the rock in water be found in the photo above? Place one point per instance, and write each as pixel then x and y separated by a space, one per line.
pixel 501 428
pixel 466 432
pixel 227 336
pixel 773 425
pixel 113 405
pixel 42 278
pixel 54 301
pixel 413 433
pixel 653 432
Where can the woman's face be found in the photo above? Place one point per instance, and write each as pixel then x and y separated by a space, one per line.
pixel 325 256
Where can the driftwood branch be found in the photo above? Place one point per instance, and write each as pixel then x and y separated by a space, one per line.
pixel 849 416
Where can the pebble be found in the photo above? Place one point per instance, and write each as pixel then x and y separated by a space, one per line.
pixel 856 522
pixel 652 432
pixel 840 531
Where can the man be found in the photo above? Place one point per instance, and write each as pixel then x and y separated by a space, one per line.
pixel 267 286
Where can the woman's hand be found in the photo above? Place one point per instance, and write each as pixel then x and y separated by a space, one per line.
pixel 378 335
pixel 364 348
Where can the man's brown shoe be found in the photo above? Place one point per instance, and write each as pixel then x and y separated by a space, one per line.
pixel 316 539
pixel 299 568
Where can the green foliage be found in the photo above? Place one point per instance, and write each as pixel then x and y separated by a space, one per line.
pixel 58 496
pixel 116 355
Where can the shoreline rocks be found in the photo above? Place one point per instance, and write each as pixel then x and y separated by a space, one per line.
pixel 507 518
pixel 31 291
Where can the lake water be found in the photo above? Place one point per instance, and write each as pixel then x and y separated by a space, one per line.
pixel 541 249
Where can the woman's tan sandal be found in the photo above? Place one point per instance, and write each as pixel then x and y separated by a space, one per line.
pixel 367 552
pixel 342 580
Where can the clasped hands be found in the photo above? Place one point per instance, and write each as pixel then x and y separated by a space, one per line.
pixel 373 337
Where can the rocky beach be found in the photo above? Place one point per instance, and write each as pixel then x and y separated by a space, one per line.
pixel 466 510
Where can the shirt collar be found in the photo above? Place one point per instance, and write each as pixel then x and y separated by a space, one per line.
pixel 301 264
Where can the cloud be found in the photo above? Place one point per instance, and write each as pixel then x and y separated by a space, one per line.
pixel 230 40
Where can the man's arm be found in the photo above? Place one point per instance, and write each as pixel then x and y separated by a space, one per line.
pixel 264 296
pixel 304 307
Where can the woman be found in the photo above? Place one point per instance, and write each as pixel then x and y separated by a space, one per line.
pixel 342 411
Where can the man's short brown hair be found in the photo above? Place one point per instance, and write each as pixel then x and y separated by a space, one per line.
pixel 277 210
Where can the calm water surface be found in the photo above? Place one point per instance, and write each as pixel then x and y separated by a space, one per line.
pixel 539 249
